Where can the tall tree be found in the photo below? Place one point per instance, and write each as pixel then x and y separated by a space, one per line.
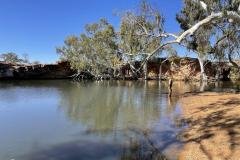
pixel 207 36
pixel 95 51
pixel 136 26
pixel 206 15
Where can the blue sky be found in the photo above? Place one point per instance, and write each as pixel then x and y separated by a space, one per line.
pixel 37 27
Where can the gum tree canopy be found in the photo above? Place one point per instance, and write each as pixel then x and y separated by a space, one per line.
pixel 199 20
pixel 134 23
pixel 93 52
pixel 209 27
pixel 222 25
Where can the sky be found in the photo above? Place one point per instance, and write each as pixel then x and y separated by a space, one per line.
pixel 37 27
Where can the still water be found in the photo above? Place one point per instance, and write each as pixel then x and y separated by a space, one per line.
pixel 64 120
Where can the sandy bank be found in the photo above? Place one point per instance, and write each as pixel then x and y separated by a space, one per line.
pixel 214 126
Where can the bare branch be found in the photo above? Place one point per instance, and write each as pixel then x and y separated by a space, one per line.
pixel 202 4
pixel 161 35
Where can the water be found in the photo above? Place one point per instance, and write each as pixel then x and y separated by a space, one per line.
pixel 63 120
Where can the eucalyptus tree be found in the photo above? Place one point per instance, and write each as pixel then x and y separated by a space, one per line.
pixel 133 24
pixel 209 35
pixel 227 48
pixel 94 51
pixel 198 19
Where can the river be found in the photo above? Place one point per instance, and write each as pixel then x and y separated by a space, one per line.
pixel 65 120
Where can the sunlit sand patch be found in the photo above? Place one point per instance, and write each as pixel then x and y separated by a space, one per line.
pixel 213 126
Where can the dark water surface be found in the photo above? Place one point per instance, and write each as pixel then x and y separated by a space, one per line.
pixel 63 120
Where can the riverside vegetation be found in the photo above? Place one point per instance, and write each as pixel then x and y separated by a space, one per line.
pixel 205 127
pixel 210 30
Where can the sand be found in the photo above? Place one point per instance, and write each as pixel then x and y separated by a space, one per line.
pixel 213 131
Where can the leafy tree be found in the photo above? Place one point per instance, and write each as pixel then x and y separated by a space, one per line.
pixel 198 18
pixel 207 36
pixel 136 29
pixel 204 24
pixel 10 58
pixel 94 51
pixel 134 23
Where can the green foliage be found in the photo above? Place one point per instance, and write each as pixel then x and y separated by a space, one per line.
pixel 94 51
pixel 141 31
pixel 135 24
pixel 210 40
pixel 206 39
pixel 190 14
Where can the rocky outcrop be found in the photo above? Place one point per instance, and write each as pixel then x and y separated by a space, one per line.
pixel 61 70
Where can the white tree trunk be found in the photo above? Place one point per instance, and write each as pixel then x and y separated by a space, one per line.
pixel 179 38
pixel 160 72
pixel 145 71
pixel 160 69
pixel 203 85
pixel 201 63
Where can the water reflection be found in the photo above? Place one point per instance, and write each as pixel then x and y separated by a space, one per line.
pixel 137 112
pixel 91 120
pixel 108 106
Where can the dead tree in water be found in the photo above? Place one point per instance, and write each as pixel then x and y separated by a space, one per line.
pixel 170 83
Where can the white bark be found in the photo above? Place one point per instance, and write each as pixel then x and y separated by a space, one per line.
pixel 204 5
pixel 203 85
pixel 160 69
pixel 201 63
pixel 192 30
pixel 145 71
pixel 160 72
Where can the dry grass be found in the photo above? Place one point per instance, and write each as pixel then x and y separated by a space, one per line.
pixel 214 126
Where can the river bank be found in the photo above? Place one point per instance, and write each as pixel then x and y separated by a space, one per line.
pixel 184 69
pixel 61 70
pixel 213 130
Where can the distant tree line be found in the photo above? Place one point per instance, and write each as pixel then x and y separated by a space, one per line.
pixel 13 58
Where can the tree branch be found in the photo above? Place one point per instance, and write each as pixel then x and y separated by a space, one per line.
pixel 193 29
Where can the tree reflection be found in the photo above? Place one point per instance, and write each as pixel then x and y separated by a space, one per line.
pixel 140 113
pixel 108 106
